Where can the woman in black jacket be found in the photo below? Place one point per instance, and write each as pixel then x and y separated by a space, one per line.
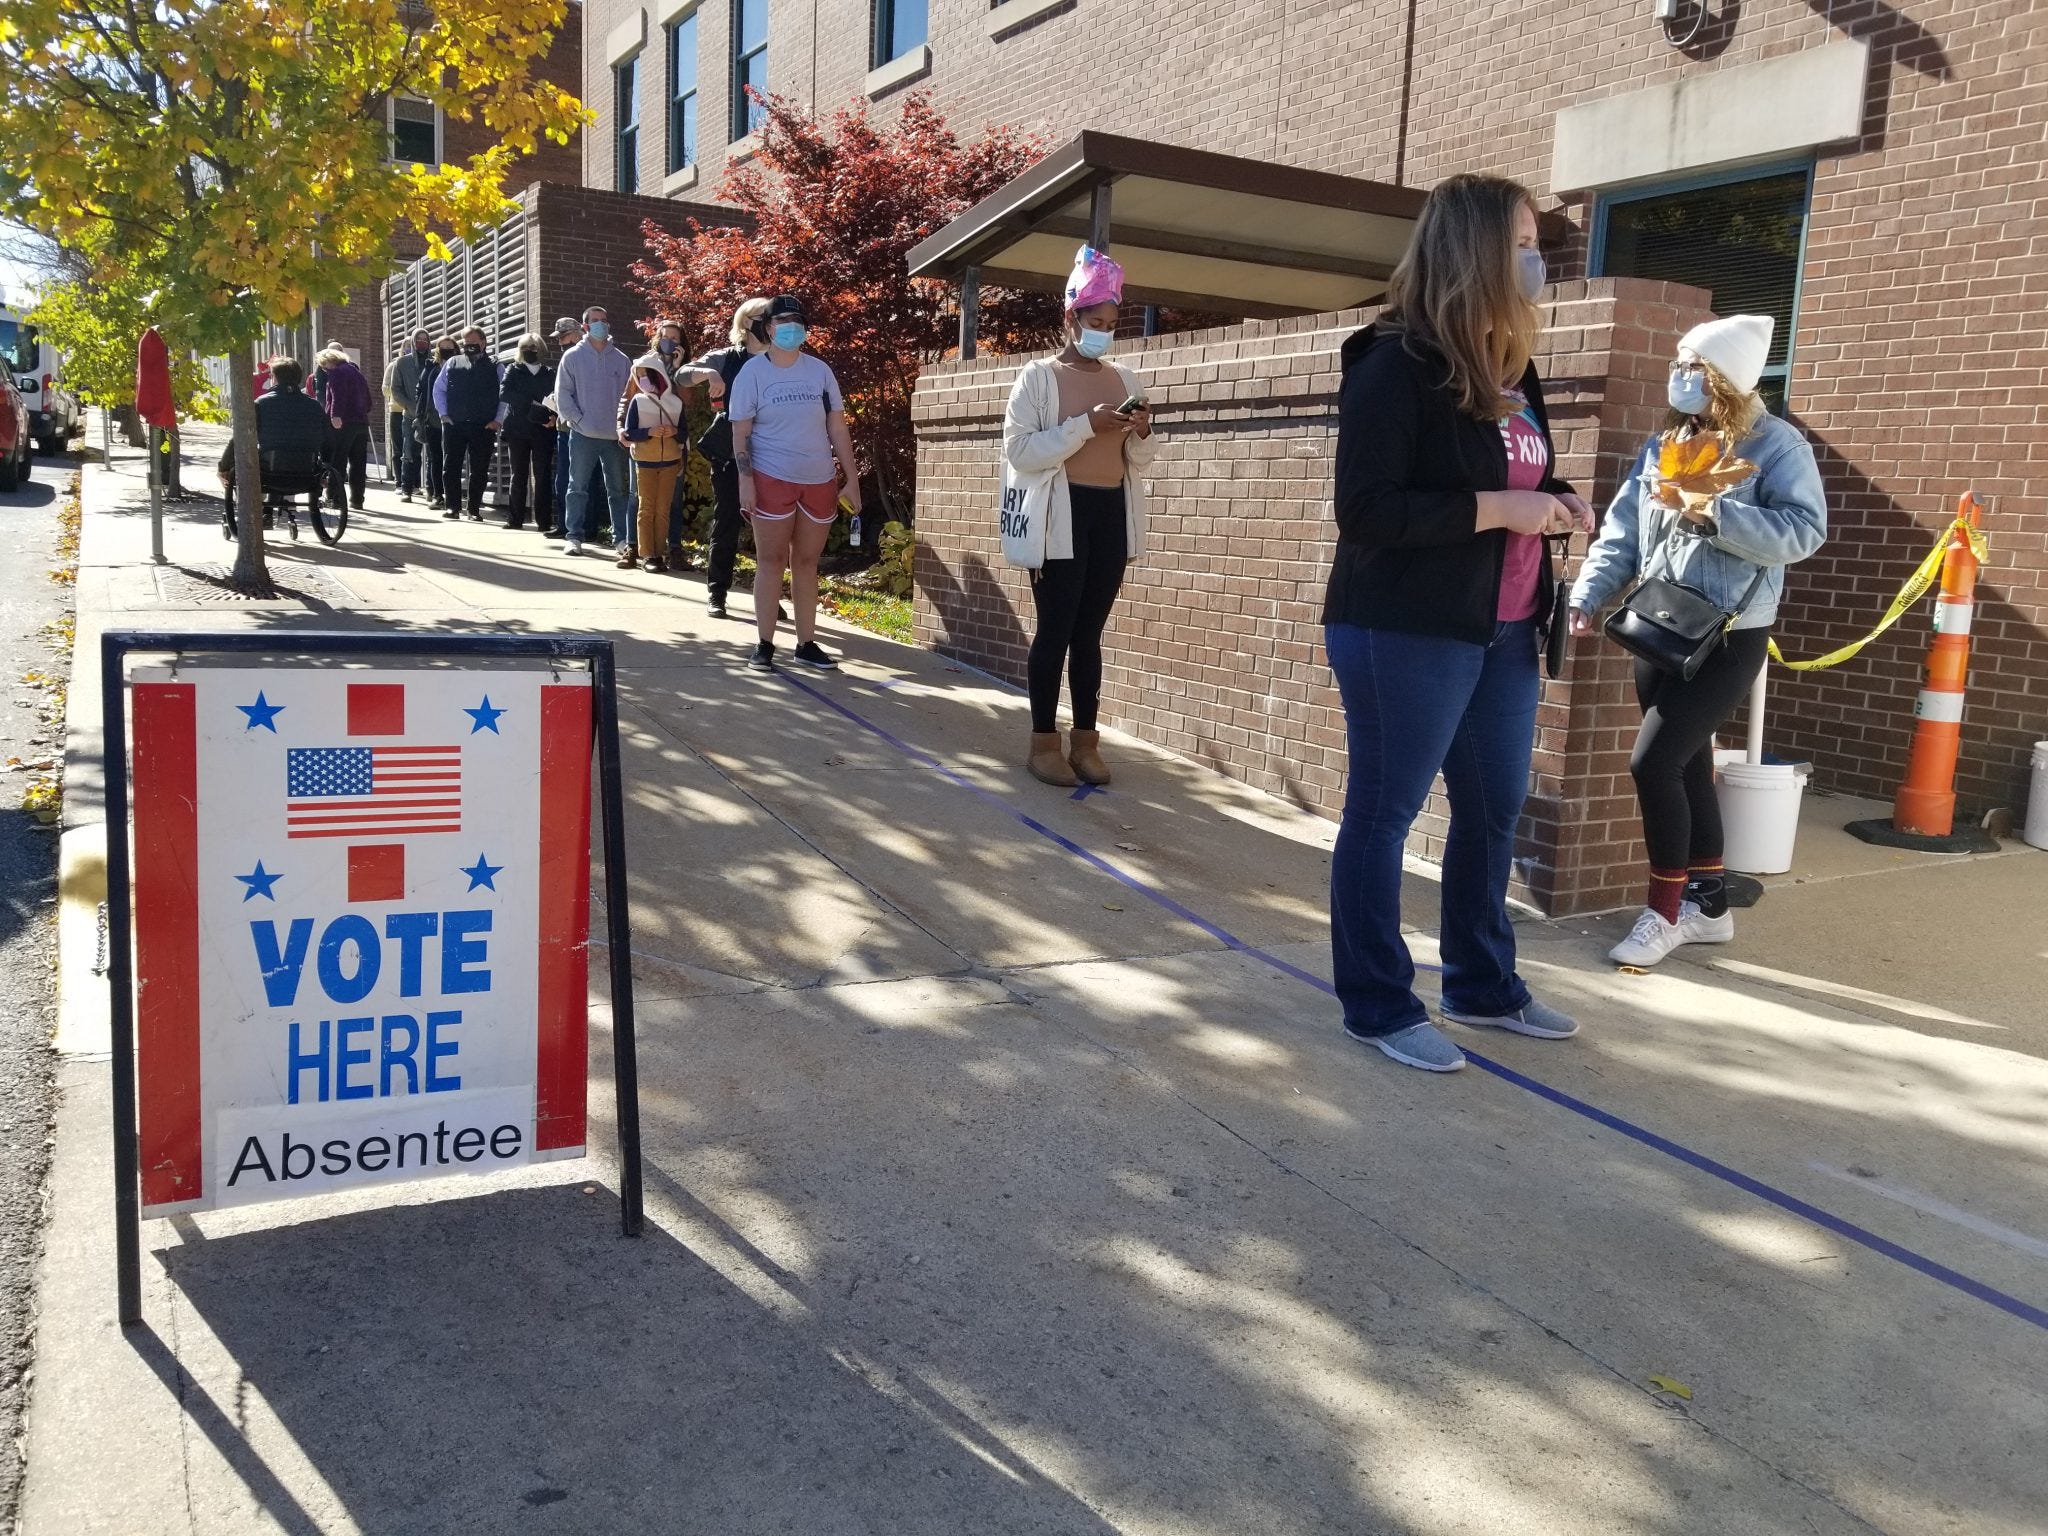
pixel 529 433
pixel 1444 486
pixel 749 338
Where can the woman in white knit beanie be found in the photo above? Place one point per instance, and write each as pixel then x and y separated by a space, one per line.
pixel 1721 502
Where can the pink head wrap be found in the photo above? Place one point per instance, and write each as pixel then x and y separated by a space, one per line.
pixel 1096 279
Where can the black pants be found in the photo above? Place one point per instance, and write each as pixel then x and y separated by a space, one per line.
pixel 350 456
pixel 726 523
pixel 533 462
pixel 1073 598
pixel 426 450
pixel 466 443
pixel 1673 763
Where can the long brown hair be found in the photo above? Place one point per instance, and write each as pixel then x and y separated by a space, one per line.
pixel 1454 292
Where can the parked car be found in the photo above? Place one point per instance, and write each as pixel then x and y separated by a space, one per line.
pixel 54 413
pixel 17 457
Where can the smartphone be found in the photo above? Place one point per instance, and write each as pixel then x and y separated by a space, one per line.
pixel 1130 405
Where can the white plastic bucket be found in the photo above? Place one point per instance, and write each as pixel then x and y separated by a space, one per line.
pixel 2036 833
pixel 1759 815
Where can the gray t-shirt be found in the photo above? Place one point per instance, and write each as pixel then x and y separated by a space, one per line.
pixel 787 407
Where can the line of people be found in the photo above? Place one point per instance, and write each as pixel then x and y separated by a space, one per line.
pixel 591 433
pixel 1442 596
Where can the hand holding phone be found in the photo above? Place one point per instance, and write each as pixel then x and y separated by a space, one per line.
pixel 1135 402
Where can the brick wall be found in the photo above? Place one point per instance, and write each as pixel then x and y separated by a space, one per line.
pixel 1215 647
pixel 1917 369
pixel 358 321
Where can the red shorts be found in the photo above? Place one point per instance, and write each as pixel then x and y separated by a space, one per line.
pixel 777 500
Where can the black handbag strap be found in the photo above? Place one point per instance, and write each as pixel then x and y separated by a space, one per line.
pixel 1671 538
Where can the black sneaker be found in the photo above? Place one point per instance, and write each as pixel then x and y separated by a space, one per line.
pixel 717 609
pixel 812 654
pixel 763 659
pixel 451 515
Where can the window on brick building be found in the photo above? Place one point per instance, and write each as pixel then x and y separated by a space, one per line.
pixel 626 139
pixel 749 63
pixel 682 93
pixel 1740 237
pixel 900 25
pixel 415 130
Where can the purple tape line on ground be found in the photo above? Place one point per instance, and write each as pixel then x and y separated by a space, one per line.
pixel 1919 1263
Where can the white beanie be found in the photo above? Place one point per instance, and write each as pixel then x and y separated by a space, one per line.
pixel 1738 347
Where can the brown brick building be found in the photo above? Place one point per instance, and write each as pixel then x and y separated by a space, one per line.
pixel 1873 178
pixel 420 131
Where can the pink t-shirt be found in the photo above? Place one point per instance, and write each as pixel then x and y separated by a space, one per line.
pixel 1528 465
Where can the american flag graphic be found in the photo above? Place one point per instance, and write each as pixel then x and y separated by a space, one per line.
pixel 372 791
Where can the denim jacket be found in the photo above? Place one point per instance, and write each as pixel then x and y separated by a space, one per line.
pixel 1776 517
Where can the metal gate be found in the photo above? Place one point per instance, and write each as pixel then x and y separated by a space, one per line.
pixel 483 283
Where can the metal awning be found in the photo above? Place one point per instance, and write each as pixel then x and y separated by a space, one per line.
pixel 1194 230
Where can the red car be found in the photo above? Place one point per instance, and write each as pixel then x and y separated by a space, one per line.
pixel 17 449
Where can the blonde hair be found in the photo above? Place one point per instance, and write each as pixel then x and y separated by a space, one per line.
pixel 1730 411
pixel 1454 292
pixel 744 317
pixel 535 340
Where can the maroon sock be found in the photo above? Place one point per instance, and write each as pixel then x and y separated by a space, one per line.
pixel 1667 890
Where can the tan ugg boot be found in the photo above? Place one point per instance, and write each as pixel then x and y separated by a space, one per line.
pixel 1046 763
pixel 1085 754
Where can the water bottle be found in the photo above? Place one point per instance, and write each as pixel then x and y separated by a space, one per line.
pixel 853 533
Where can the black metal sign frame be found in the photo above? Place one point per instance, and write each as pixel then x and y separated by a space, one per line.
pixel 116 646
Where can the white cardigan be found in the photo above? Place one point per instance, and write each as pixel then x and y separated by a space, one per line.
pixel 1037 445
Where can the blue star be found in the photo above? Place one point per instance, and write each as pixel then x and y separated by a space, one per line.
pixel 486 718
pixel 259 883
pixel 262 712
pixel 483 874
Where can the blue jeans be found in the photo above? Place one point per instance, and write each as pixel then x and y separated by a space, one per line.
pixel 588 456
pixel 562 471
pixel 1414 705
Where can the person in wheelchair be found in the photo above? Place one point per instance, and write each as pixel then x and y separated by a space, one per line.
pixel 293 434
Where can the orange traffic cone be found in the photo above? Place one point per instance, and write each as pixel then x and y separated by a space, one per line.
pixel 1924 811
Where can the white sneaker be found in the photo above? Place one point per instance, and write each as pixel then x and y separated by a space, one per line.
pixel 1649 941
pixel 1695 927
pixel 571 547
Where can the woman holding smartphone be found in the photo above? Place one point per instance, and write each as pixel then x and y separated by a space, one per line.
pixel 1075 430
pixel 1438 593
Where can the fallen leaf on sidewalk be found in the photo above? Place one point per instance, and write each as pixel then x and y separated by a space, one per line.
pixel 1675 1388
pixel 1130 847
pixel 834 760
pixel 1110 906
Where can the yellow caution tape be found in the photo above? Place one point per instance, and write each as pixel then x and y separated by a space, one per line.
pixel 1916 586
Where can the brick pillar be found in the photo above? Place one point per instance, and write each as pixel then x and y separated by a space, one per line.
pixel 1215 649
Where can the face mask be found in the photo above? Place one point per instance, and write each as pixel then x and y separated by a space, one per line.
pixel 666 345
pixel 598 330
pixel 472 349
pixel 652 384
pixel 789 335
pixel 423 348
pixel 446 354
pixel 1530 274
pixel 1094 343
pixel 529 354
pixel 1687 390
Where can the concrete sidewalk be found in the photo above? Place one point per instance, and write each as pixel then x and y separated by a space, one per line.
pixel 989 1192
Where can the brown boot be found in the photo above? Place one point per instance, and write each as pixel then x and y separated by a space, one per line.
pixel 1085 753
pixel 1046 763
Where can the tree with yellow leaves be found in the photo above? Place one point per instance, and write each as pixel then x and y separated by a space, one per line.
pixel 234 155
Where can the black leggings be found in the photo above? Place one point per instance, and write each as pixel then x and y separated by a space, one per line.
pixel 1073 598
pixel 1673 763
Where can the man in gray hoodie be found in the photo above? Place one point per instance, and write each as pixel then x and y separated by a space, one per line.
pixel 402 394
pixel 589 384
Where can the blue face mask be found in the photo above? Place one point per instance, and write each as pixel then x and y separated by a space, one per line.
pixel 789 335
pixel 1530 273
pixel 598 330
pixel 1687 390
pixel 1094 343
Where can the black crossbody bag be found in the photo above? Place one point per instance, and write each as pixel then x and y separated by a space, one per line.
pixel 1672 626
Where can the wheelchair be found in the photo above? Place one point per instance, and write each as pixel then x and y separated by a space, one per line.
pixel 286 477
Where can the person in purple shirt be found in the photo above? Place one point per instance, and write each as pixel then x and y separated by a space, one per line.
pixel 466 394
pixel 345 396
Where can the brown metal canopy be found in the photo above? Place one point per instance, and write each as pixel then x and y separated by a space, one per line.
pixel 1194 230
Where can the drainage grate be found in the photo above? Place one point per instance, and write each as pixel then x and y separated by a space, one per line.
pixel 215 584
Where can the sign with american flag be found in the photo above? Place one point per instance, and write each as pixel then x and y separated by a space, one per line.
pixel 362 908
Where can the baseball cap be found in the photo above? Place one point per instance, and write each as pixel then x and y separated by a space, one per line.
pixel 566 324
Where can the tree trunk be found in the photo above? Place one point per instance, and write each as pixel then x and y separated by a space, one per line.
pixel 252 575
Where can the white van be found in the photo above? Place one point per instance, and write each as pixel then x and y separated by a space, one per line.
pixel 54 415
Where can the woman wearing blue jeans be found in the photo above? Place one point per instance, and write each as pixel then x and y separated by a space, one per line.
pixel 1437 599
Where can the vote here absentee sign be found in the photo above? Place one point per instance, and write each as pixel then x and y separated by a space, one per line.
pixel 362 904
